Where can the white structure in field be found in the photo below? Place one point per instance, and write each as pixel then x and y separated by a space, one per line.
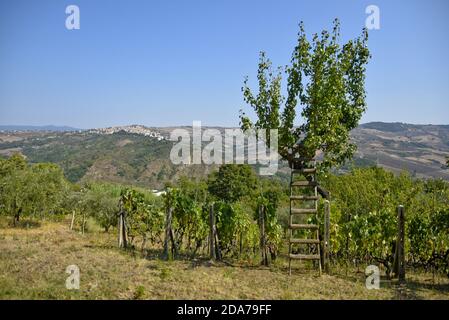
pixel 158 193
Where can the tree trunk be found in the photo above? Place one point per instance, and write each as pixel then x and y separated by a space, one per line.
pixel 174 247
pixel 17 213
pixel 15 219
pixel 168 232
pixel 273 253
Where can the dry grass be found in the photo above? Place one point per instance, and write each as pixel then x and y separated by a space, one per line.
pixel 33 263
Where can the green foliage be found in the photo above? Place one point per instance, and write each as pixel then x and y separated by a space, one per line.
pixel 267 102
pixel 238 194
pixel 195 189
pixel 326 81
pixel 270 200
pixel 232 194
pixel 238 232
pixel 41 189
pixel 428 234
pixel 139 293
pixel 363 210
pixel 30 190
pixel 189 220
pixel 232 182
pixel 369 189
pixel 372 235
pixel 144 215
pixel 120 157
pixel 98 201
pixel 364 217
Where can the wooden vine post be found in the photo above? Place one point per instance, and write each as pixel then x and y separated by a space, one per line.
pixel 212 252
pixel 214 244
pixel 120 228
pixel 73 220
pixel 263 242
pixel 217 242
pixel 122 234
pixel 326 234
pixel 168 232
pixel 83 226
pixel 399 257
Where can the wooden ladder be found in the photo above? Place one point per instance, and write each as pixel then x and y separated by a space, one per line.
pixel 306 169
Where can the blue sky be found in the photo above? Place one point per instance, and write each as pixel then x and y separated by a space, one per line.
pixel 163 63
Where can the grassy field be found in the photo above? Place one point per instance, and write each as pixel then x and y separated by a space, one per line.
pixel 33 263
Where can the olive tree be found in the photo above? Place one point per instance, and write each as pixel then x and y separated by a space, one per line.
pixel 325 95
pixel 30 190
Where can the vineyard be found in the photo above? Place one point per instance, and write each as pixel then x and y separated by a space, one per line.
pixel 363 220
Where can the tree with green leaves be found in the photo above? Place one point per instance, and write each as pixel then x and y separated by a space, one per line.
pixel 232 182
pixel 325 87
pixel 95 200
pixel 30 190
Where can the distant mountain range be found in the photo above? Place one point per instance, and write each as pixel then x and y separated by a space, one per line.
pixel 139 155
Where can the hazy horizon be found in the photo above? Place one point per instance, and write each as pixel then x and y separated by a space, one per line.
pixel 188 125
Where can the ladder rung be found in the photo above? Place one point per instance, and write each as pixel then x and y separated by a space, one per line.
pixel 304 183
pixel 304 170
pixel 305 256
pixel 303 226
pixel 304 198
pixel 303 211
pixel 305 241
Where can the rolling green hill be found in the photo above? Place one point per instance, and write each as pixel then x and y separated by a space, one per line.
pixel 129 155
